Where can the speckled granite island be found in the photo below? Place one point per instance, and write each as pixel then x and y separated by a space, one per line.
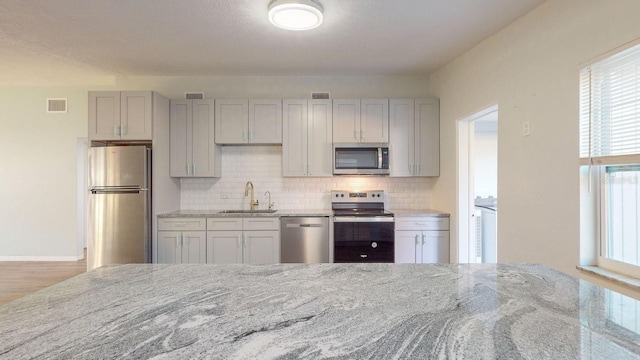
pixel 338 311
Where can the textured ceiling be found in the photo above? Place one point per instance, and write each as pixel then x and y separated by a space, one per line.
pixel 75 41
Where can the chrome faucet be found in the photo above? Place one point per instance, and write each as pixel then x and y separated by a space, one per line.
pixel 253 202
pixel 270 203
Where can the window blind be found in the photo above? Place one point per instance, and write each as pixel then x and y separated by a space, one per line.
pixel 610 106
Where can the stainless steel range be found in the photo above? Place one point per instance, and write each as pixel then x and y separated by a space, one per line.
pixel 363 231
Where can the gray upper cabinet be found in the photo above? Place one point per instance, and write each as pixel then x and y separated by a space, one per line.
pixel 365 120
pixel 193 150
pixel 307 138
pixel 414 137
pixel 120 115
pixel 265 121
pixel 245 121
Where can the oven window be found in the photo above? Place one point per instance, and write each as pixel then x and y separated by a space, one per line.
pixel 365 158
pixel 363 242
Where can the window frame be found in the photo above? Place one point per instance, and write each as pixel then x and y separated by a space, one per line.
pixel 603 226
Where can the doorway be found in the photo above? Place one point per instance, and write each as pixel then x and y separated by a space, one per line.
pixel 478 187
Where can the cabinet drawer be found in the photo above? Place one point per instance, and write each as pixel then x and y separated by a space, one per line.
pixel 182 224
pixel 422 223
pixel 224 223
pixel 261 223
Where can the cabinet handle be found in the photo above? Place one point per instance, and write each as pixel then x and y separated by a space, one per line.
pixel 193 169
pixel 355 134
pixel 244 136
pixel 415 253
pixel 115 130
pixel 124 130
pixel 187 169
pixel 423 239
pixel 244 241
pixel 417 169
pixel 177 240
pixel 250 135
pixel 417 241
pixel 239 242
pixel 361 135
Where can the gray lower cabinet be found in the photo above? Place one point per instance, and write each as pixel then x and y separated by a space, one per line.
pixel 253 240
pixel 422 239
pixel 182 241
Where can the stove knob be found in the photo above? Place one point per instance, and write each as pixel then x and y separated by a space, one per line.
pixel 337 195
pixel 374 244
pixel 341 195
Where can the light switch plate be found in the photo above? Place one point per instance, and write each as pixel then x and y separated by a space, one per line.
pixel 526 128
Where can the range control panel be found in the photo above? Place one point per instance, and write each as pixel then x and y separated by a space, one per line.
pixel 357 196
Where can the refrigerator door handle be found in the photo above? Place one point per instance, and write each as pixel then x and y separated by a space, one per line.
pixel 127 190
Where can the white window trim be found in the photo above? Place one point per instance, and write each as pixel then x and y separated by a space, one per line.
pixel 602 260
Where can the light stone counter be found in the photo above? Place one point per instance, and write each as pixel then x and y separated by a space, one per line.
pixel 217 213
pixel 338 311
pixel 418 212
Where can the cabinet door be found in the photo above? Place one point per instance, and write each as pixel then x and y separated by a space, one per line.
pixel 194 247
pixel 181 138
pixel 104 115
pixel 401 137
pixel 232 121
pixel 294 138
pixel 406 244
pixel 320 139
pixel 435 247
pixel 261 247
pixel 374 120
pixel 265 121
pixel 136 115
pixel 427 132
pixel 169 247
pixel 224 247
pixel 206 160
pixel 346 120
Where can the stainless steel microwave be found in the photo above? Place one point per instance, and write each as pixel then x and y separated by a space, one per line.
pixel 360 159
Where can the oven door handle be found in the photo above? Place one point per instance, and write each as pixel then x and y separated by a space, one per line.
pixel 355 219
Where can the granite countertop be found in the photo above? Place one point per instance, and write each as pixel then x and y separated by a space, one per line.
pixel 217 213
pixel 418 212
pixel 279 213
pixel 338 311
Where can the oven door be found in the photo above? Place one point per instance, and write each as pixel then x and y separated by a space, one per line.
pixel 359 239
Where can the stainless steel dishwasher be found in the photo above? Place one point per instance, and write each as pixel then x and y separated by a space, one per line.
pixel 304 239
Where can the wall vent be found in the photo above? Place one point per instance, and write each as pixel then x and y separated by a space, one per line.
pixel 58 105
pixel 194 95
pixel 321 95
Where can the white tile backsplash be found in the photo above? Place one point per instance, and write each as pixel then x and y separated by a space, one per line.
pixel 262 165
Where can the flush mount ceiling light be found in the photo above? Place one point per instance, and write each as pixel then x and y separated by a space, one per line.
pixel 295 14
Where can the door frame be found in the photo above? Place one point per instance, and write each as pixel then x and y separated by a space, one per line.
pixel 465 129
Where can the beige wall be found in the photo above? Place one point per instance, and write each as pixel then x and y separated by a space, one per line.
pixel 38 173
pixel 530 70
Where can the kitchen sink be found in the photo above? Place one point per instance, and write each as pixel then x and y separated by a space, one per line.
pixel 247 211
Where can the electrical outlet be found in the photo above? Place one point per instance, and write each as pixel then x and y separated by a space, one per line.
pixel 526 128
pixel 224 195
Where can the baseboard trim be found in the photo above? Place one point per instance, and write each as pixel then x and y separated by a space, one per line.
pixel 40 258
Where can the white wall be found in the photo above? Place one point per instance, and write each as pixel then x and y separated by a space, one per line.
pixel 38 167
pixel 38 173
pixel 485 161
pixel 530 70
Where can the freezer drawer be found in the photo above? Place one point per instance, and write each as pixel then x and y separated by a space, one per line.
pixel 304 240
pixel 119 229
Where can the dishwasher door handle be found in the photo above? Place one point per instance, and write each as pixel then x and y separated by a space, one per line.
pixel 304 225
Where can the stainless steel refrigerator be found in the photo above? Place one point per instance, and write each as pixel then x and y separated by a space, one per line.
pixel 119 217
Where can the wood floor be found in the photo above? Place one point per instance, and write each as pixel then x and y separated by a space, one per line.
pixel 20 278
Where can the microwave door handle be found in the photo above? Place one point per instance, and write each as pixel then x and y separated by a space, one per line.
pixel 379 158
